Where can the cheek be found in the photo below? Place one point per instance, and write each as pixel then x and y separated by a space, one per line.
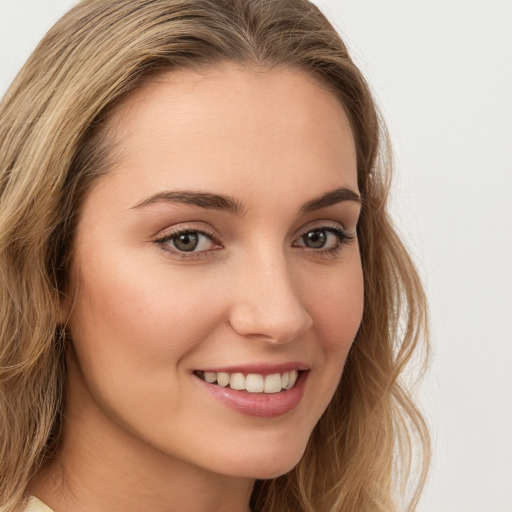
pixel 335 302
pixel 138 318
pixel 337 309
pixel 133 327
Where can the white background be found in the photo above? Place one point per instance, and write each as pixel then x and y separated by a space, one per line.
pixel 442 73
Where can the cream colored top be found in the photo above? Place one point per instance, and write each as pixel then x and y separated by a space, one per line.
pixel 35 505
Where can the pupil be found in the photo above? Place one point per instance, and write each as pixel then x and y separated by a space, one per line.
pixel 315 239
pixel 186 242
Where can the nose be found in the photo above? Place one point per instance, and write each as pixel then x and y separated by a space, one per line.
pixel 267 304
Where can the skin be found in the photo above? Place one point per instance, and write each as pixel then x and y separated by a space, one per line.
pixel 146 316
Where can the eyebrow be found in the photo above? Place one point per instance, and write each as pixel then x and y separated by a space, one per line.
pixel 201 199
pixel 330 198
pixel 229 204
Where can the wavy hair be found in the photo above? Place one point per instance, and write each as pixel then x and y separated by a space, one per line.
pixel 53 146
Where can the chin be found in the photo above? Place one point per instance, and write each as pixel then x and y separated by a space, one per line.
pixel 275 470
pixel 264 464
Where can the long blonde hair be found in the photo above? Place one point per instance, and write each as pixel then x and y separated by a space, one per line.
pixel 52 148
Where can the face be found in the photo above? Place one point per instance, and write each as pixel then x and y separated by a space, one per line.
pixel 217 272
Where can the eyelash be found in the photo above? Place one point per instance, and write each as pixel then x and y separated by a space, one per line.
pixel 343 237
pixel 164 240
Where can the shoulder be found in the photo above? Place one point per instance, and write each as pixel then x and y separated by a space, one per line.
pixel 35 505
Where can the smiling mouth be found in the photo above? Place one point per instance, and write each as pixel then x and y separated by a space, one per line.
pixel 252 382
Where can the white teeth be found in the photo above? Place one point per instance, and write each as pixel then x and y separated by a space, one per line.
pixel 273 383
pixel 292 378
pixel 253 382
pixel 210 377
pixel 223 379
pixel 237 381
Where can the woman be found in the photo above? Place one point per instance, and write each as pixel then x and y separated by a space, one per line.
pixel 204 303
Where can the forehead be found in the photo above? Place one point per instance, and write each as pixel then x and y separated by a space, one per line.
pixel 227 123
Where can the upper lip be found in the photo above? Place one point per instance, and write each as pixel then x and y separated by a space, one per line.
pixel 260 368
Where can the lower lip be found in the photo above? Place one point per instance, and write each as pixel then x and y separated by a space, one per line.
pixel 263 405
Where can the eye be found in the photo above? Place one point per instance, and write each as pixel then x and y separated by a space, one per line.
pixel 324 238
pixel 316 239
pixel 188 241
